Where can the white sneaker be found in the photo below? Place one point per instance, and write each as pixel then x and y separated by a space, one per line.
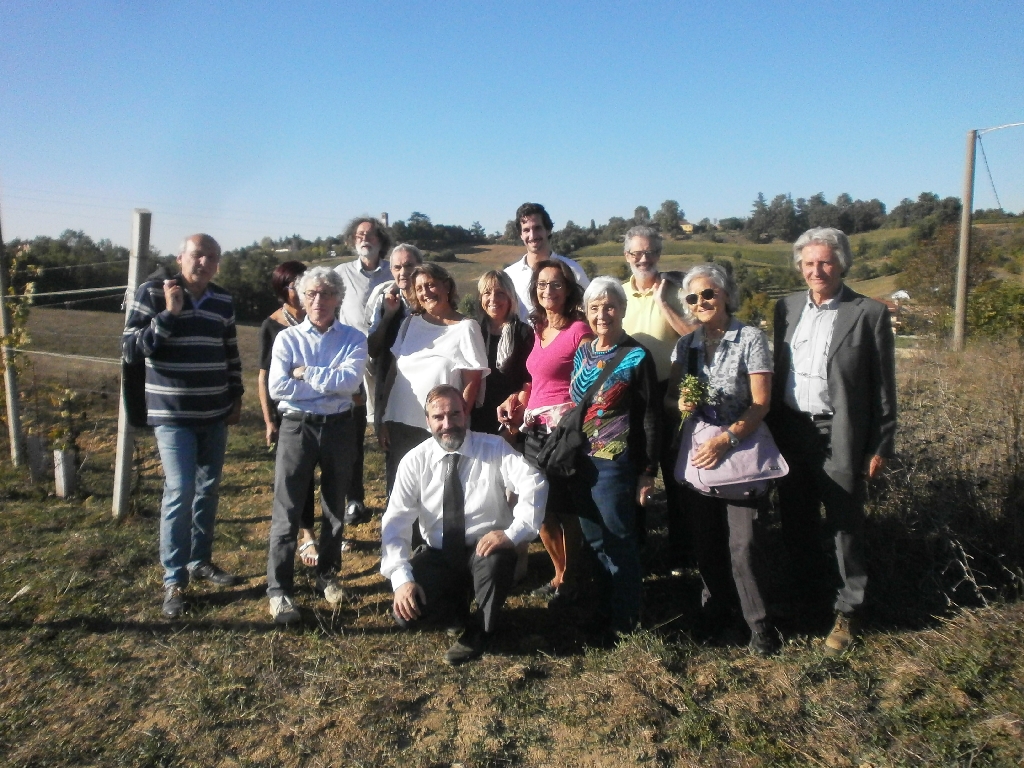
pixel 283 610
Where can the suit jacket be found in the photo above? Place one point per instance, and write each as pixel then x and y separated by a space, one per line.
pixel 861 383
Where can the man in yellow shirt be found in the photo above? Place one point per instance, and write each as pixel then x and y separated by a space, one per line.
pixel 654 323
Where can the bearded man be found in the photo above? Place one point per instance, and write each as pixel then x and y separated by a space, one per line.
pixel 369 239
pixel 457 486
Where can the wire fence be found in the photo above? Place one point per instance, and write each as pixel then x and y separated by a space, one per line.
pixel 70 292
pixel 85 358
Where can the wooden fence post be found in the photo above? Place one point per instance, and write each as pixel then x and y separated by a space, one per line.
pixel 10 375
pixel 125 432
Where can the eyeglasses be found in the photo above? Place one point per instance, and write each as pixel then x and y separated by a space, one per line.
pixel 553 286
pixel 312 296
pixel 637 255
pixel 707 294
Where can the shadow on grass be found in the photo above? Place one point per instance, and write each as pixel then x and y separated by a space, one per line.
pixel 243 520
pixel 102 626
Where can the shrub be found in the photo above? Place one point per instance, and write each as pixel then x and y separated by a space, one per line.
pixel 947 528
pixel 996 308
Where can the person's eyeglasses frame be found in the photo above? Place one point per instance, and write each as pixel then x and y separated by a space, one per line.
pixel 650 255
pixel 707 294
pixel 550 285
pixel 311 296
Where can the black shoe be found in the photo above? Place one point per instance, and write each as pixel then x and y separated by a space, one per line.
pixel 210 572
pixel 765 643
pixel 174 602
pixel 355 513
pixel 468 647
pixel 562 599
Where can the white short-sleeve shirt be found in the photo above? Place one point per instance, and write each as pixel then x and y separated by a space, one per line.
pixel 427 355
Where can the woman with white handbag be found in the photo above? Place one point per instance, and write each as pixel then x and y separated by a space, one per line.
pixel 734 364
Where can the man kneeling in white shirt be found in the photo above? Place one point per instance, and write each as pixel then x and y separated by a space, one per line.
pixel 456 486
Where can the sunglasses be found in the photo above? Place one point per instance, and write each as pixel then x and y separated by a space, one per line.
pixel 707 294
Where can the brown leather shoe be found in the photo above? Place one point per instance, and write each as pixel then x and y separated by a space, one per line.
pixel 843 633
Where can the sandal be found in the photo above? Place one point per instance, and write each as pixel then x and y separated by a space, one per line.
pixel 309 559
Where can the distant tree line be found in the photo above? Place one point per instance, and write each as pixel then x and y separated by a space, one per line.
pixel 427 236
pixel 73 260
pixel 69 262
pixel 781 219
pixel 669 219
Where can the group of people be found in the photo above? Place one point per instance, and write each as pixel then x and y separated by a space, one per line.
pixel 460 406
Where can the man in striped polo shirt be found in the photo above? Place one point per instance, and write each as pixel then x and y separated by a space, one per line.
pixel 185 329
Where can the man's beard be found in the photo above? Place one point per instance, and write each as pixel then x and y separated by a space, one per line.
pixel 364 251
pixel 451 440
pixel 648 273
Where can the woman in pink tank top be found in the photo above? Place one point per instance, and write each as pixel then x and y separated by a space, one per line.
pixel 560 329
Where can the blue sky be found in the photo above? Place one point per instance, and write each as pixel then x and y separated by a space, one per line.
pixel 261 118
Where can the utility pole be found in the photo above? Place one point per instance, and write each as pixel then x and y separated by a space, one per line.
pixel 125 433
pixel 10 374
pixel 960 310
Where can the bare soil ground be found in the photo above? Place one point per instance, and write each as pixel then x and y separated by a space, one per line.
pixel 92 675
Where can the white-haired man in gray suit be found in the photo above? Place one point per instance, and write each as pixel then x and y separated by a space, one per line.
pixel 833 416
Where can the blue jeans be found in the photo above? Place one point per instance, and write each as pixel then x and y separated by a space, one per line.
pixel 613 540
pixel 192 458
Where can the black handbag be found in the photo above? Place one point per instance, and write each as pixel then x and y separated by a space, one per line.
pixel 133 374
pixel 557 453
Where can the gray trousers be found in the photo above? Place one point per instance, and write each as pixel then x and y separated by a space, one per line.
pixel 449 590
pixel 728 538
pixel 802 493
pixel 300 447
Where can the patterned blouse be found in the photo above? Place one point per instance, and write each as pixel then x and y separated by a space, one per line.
pixel 623 414
pixel 742 351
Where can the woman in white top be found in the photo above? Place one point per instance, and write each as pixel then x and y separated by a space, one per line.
pixel 435 345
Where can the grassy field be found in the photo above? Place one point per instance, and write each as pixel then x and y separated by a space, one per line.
pixel 93 676
pixel 690 251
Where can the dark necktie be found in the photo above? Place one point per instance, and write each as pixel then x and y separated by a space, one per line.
pixel 453 523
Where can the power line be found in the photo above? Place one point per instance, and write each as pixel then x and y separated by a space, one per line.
pixel 987 168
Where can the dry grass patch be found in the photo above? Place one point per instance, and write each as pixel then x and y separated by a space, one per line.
pixel 91 675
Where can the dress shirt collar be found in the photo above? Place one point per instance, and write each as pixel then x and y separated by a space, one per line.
pixel 196 303
pixel 309 328
pixel 637 291
pixel 365 271
pixel 731 334
pixel 524 265
pixel 437 453
pixel 832 303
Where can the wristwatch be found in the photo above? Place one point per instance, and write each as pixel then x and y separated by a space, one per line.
pixel 733 440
